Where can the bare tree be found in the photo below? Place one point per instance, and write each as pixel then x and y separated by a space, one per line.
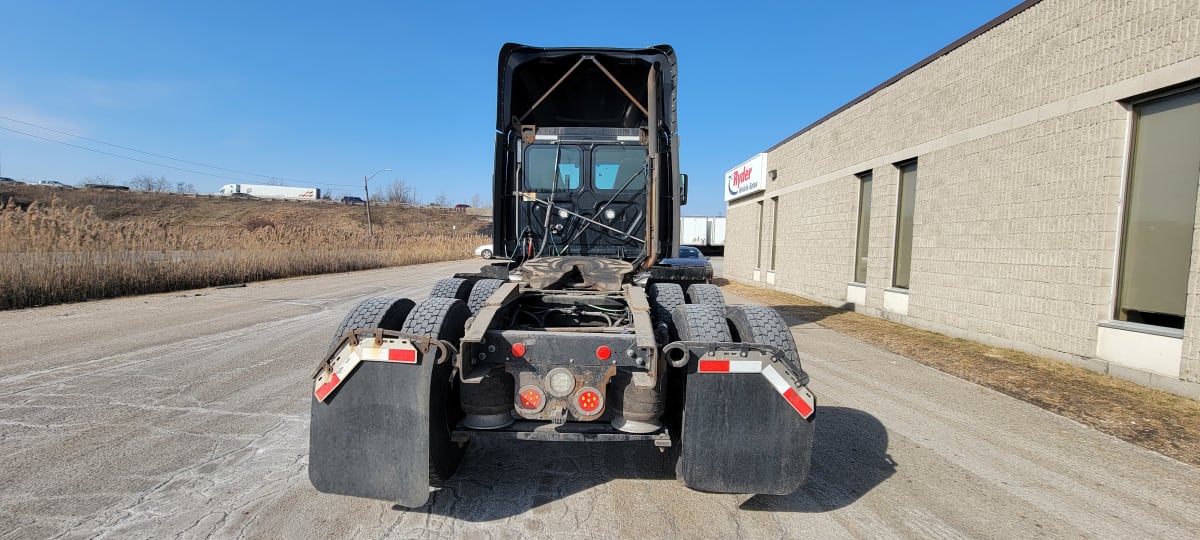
pixel 400 192
pixel 146 182
pixel 476 201
pixel 185 187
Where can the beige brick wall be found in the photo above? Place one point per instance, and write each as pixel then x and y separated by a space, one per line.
pixel 741 237
pixel 1014 234
pixel 819 255
pixel 1020 137
pixel 1190 368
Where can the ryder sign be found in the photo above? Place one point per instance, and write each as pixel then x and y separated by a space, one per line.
pixel 749 177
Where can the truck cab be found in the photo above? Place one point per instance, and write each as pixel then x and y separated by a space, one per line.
pixel 586 154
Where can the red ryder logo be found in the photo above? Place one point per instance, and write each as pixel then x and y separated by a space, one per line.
pixel 741 176
pixel 746 178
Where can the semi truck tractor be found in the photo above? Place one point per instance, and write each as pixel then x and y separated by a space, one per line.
pixel 589 330
pixel 264 191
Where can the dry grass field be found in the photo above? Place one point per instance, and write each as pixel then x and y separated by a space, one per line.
pixel 61 246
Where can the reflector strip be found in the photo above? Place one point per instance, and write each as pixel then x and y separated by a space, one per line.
pixel 798 403
pixel 776 379
pixel 380 354
pixel 729 366
pixel 349 356
pixel 324 390
pixel 801 400
pixel 406 356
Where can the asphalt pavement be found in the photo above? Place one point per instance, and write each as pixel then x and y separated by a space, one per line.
pixel 186 414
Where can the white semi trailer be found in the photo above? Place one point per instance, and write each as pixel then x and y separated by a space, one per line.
pixel 702 231
pixel 264 191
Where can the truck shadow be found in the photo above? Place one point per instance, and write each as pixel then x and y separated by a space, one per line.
pixel 850 458
pixel 502 479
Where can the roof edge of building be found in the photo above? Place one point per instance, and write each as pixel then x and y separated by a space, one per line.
pixel 1002 18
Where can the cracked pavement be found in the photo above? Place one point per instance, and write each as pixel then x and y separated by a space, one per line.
pixel 186 415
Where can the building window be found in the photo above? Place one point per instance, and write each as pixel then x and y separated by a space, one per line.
pixel 758 256
pixel 774 229
pixel 1160 211
pixel 864 227
pixel 904 224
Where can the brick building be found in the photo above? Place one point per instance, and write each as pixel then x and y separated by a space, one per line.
pixel 1033 185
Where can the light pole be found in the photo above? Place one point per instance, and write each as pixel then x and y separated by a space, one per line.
pixel 367 201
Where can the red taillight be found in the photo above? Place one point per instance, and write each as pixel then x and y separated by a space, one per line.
pixel 531 399
pixel 603 352
pixel 589 401
pixel 518 349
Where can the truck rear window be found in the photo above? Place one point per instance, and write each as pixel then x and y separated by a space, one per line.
pixel 539 168
pixel 614 166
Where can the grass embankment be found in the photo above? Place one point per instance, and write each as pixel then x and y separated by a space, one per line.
pixel 61 246
pixel 1154 419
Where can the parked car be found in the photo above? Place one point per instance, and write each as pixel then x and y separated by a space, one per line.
pixel 54 184
pixel 484 251
pixel 689 252
pixel 461 206
pixel 353 201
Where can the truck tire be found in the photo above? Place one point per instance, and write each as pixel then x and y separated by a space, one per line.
pixel 384 312
pixel 441 318
pixel 761 324
pixel 663 298
pixel 482 290
pixel 487 254
pixel 700 322
pixel 695 322
pixel 703 293
pixel 452 288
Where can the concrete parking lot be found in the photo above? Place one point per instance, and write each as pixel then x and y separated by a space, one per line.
pixel 187 414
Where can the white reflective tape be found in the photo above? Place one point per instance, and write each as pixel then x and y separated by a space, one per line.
pixel 541 137
pixel 745 366
pixel 776 379
pixel 373 353
pixel 633 138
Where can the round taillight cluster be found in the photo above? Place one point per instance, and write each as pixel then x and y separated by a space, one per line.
pixel 531 399
pixel 589 401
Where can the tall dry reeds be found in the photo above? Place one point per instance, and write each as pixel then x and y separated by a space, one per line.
pixel 53 254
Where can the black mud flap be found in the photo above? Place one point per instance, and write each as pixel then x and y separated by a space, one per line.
pixel 370 437
pixel 742 435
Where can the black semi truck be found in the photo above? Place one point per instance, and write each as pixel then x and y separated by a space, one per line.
pixel 592 329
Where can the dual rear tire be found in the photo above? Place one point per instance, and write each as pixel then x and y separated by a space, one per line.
pixel 438 318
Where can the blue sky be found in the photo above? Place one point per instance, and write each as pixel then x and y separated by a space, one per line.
pixel 323 94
